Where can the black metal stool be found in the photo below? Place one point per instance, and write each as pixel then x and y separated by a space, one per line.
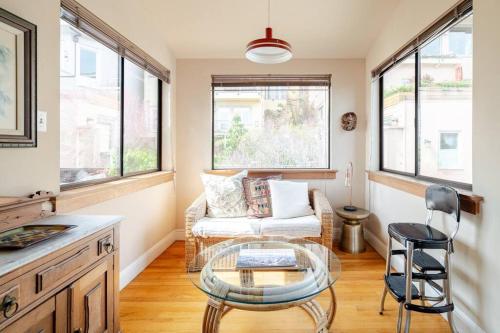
pixel 419 265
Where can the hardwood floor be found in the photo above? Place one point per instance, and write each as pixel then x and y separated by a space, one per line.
pixel 162 299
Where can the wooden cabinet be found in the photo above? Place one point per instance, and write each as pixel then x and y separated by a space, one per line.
pixel 85 306
pixel 73 290
pixel 91 300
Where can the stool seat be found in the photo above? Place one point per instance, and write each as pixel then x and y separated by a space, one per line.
pixel 421 235
pixel 425 262
pixel 396 282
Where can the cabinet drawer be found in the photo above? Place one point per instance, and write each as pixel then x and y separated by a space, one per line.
pixel 48 277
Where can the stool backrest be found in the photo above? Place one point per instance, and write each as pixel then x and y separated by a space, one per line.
pixel 444 199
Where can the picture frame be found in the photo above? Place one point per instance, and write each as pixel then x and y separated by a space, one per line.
pixel 18 99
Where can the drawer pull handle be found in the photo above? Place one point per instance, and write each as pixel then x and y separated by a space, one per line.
pixel 78 330
pixel 108 247
pixel 9 306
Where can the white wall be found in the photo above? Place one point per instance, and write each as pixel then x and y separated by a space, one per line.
pixel 26 170
pixel 145 227
pixel 475 263
pixel 23 171
pixel 194 116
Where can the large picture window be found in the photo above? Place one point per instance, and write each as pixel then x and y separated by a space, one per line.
pixel 110 112
pixel 426 108
pixel 271 122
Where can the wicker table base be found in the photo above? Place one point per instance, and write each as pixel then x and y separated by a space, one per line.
pixel 216 309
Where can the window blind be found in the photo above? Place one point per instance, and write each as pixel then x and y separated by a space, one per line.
pixel 449 18
pixel 81 18
pixel 271 80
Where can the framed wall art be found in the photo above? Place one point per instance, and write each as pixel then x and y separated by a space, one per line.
pixel 17 81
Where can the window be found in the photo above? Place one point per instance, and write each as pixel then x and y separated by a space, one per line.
pixel 399 117
pixel 426 132
pixel 271 122
pixel 89 111
pixel 141 105
pixel 109 112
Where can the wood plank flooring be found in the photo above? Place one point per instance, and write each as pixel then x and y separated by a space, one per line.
pixel 162 299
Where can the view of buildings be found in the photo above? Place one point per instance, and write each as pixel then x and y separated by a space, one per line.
pixel 91 111
pixel 445 115
pixel 273 127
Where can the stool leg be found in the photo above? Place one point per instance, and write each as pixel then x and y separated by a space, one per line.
pixel 408 275
pixel 389 257
pixel 447 291
pixel 382 301
pixel 400 316
pixel 387 272
pixel 422 291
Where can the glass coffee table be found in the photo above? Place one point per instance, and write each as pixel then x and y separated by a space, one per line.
pixel 214 271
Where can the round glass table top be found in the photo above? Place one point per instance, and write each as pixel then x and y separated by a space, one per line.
pixel 264 270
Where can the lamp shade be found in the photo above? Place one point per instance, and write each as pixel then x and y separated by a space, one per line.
pixel 268 50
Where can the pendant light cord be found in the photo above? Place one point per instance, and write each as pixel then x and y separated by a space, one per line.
pixel 268 13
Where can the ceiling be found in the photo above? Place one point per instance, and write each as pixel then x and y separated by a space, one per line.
pixel 315 28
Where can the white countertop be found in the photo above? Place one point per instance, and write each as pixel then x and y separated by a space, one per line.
pixel 86 225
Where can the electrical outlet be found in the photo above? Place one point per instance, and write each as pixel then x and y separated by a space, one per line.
pixel 42 121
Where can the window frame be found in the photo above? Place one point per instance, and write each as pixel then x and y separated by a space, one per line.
pixel 122 174
pixel 251 83
pixel 416 174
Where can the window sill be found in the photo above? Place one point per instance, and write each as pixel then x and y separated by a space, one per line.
pixel 77 198
pixel 286 173
pixel 469 202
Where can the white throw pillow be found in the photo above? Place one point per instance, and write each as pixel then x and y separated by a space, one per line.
pixel 225 195
pixel 289 199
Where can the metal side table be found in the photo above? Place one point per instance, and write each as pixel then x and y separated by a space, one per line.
pixel 352 230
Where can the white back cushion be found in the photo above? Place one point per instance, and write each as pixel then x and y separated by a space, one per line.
pixel 289 199
pixel 225 196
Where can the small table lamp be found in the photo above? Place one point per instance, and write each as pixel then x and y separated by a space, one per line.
pixel 348 184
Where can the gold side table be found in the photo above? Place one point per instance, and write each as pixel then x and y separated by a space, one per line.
pixel 352 230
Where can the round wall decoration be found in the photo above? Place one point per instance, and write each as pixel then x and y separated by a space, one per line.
pixel 349 121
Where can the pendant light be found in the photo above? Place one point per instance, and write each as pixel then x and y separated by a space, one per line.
pixel 268 50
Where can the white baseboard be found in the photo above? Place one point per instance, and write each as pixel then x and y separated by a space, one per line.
pixel 463 321
pixel 128 273
pixel 375 242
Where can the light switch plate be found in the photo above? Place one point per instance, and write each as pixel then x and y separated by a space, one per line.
pixel 42 121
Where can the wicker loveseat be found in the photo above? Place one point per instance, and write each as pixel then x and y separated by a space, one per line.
pixel 198 209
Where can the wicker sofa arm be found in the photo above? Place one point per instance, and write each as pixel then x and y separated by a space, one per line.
pixel 324 213
pixel 193 213
pixel 196 211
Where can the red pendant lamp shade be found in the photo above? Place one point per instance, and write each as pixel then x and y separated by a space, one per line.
pixel 268 50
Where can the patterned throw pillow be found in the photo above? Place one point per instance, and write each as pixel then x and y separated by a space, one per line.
pixel 224 195
pixel 258 196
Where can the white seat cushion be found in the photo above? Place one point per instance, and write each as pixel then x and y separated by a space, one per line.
pixel 227 227
pixel 304 226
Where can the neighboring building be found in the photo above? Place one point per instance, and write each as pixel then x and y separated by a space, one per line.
pixel 445 95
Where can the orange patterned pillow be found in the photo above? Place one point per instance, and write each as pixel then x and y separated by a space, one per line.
pixel 258 196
